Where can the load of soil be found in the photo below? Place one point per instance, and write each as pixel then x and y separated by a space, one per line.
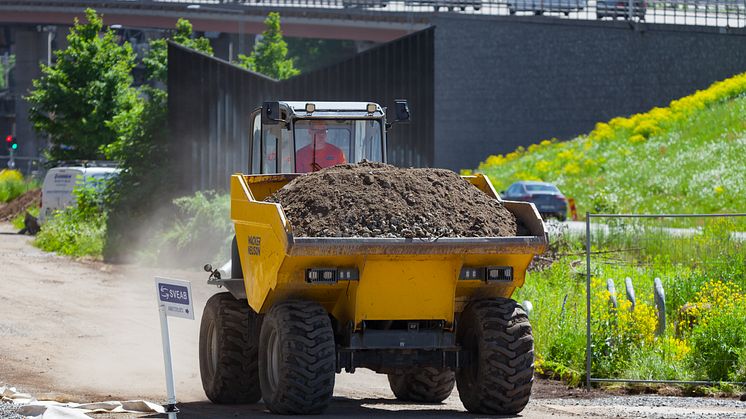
pixel 19 205
pixel 380 200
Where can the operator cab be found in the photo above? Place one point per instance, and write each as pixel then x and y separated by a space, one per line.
pixel 302 137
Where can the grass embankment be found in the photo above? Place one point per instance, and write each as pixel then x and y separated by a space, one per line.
pixel 689 157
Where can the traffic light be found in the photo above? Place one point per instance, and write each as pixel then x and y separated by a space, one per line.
pixel 11 143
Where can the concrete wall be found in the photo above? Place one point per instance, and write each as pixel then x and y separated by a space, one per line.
pixel 505 82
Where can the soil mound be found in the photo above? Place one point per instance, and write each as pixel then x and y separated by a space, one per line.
pixel 379 200
pixel 17 206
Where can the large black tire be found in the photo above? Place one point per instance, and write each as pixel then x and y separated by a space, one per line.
pixel 498 336
pixel 423 385
pixel 297 360
pixel 228 356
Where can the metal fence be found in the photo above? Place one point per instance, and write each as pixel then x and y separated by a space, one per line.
pixel 722 13
pixel 210 101
pixel 655 287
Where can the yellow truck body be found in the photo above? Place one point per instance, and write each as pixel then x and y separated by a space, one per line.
pixel 399 279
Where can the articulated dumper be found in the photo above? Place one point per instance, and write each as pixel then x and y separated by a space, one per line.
pixel 431 314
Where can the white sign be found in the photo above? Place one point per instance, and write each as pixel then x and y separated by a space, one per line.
pixel 175 296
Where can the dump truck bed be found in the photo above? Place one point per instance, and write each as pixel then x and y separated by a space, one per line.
pixel 387 278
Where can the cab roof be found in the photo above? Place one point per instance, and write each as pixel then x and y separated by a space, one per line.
pixel 300 106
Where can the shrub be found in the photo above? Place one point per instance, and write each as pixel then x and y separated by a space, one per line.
pixel 718 344
pixel 12 185
pixel 78 230
pixel 200 231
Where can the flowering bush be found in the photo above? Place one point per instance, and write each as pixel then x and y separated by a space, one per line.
pixel 11 185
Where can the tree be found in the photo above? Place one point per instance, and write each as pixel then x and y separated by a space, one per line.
pixel 269 56
pixel 156 62
pixel 142 150
pixel 77 99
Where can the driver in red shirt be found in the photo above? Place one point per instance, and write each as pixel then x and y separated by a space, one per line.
pixel 318 154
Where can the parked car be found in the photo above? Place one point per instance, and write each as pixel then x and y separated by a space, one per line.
pixel 451 5
pixel 59 182
pixel 620 9
pixel 548 199
pixel 539 7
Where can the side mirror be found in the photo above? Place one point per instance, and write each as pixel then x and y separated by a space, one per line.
pixel 401 109
pixel 271 113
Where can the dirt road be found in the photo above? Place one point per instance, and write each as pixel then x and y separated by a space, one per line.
pixel 86 331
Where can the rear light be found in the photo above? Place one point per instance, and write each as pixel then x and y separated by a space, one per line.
pixel 331 275
pixel 562 198
pixel 488 274
pixel 525 197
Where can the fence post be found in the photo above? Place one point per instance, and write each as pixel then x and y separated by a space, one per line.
pixel 630 14
pixel 612 292
pixel 630 293
pixel 588 300
pixel 660 304
pixel 528 307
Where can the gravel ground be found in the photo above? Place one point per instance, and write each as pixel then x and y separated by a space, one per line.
pixel 650 406
pixel 9 411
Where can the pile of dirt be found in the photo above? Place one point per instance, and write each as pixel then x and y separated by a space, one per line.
pixel 19 205
pixel 379 200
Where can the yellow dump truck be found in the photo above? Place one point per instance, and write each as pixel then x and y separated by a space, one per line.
pixel 430 314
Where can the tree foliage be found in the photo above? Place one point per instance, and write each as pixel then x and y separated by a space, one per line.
pixel 142 149
pixel 7 63
pixel 156 62
pixel 269 56
pixel 78 98
pixel 310 54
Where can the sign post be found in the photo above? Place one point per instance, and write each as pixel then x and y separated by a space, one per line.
pixel 174 299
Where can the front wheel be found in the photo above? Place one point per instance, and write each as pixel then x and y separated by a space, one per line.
pixel 423 385
pixel 497 335
pixel 297 359
pixel 228 363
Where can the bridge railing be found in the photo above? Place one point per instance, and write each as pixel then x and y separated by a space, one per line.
pixel 722 13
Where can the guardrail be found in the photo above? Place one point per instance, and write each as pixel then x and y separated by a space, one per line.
pixel 720 13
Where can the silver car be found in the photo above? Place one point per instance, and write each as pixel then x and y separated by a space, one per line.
pixel 539 7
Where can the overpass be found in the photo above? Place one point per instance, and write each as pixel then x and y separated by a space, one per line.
pixel 364 20
pixel 305 20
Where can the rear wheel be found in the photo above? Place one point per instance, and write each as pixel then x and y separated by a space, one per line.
pixel 423 385
pixel 497 335
pixel 228 361
pixel 297 361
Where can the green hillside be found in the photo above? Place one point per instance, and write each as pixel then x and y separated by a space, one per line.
pixel 687 158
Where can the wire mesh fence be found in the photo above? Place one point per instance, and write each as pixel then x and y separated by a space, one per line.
pixel 666 298
pixel 720 13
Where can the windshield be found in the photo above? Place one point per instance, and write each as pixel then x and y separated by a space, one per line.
pixel 541 188
pixel 321 143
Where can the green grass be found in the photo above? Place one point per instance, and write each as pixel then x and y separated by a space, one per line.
pixel 688 158
pixel 707 343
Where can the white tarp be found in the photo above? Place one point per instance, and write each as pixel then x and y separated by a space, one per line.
pixel 31 407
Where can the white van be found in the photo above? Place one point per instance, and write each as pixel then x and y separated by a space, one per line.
pixel 57 190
